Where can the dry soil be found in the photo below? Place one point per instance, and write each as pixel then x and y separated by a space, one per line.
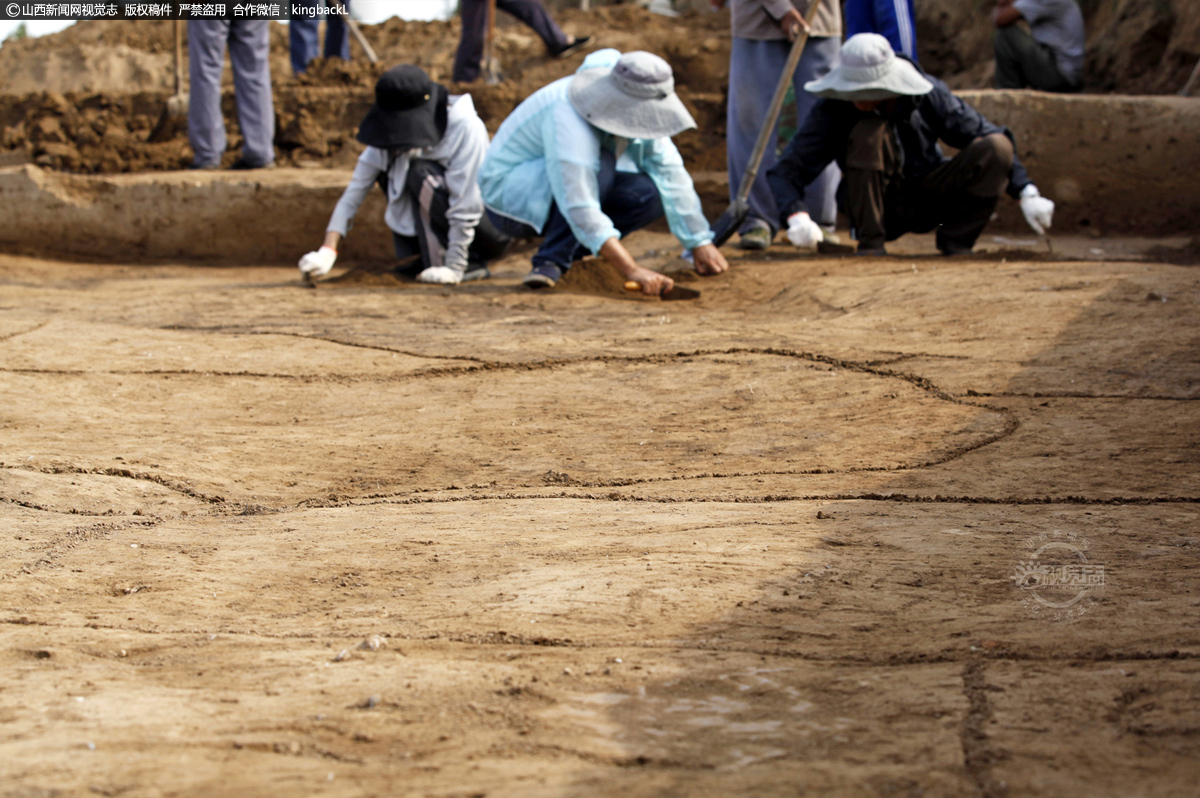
pixel 380 538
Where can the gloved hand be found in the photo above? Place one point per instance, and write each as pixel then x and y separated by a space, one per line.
pixel 1038 210
pixel 318 264
pixel 803 232
pixel 443 275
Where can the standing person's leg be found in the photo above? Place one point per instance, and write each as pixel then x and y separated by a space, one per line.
pixel 303 38
pixel 470 43
pixel 533 14
pixel 860 17
pixel 754 70
pixel 821 54
pixel 337 33
pixel 206 60
pixel 249 51
pixel 894 19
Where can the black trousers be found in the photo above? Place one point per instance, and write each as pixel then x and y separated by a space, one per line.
pixel 426 185
pixel 474 32
pixel 958 197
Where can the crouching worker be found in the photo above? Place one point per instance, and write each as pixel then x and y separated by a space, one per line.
pixel 880 118
pixel 589 159
pixel 424 149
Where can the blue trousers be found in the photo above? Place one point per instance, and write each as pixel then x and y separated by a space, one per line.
pixel 249 45
pixel 630 200
pixel 754 69
pixel 304 36
pixel 892 19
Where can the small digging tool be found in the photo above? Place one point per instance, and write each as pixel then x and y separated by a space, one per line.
pixel 675 292
pixel 176 110
pixel 491 72
pixel 736 213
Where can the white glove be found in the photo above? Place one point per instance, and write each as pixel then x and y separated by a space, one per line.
pixel 1038 210
pixel 443 275
pixel 318 264
pixel 803 232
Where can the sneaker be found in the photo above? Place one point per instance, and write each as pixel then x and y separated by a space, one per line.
pixel 755 238
pixel 242 164
pixel 572 48
pixel 829 234
pixel 951 248
pixel 870 252
pixel 544 275
pixel 204 167
pixel 476 273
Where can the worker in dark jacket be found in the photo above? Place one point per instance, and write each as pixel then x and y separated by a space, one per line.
pixel 880 118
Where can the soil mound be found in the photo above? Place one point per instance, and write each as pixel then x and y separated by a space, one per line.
pixel 1187 255
pixel 592 276
pixel 95 90
pixel 84 100
pixel 1133 46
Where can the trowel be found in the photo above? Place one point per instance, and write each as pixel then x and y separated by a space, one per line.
pixel 675 292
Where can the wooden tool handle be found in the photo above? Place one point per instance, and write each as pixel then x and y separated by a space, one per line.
pixel 632 286
pixel 178 56
pixel 767 131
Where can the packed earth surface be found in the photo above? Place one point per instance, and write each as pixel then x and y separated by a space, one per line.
pixel 382 538
pixel 902 526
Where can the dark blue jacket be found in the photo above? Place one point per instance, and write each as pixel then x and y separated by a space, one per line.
pixel 918 121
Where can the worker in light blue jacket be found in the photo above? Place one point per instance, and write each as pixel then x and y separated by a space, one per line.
pixel 589 159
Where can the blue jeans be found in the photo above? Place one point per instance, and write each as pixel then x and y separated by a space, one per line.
pixel 630 200
pixel 754 69
pixel 304 37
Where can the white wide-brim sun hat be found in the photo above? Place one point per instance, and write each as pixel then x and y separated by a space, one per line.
pixel 870 70
pixel 635 99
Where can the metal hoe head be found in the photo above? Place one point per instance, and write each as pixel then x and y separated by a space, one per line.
pixel 730 220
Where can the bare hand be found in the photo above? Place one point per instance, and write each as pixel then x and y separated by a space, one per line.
pixel 652 283
pixel 793 22
pixel 709 260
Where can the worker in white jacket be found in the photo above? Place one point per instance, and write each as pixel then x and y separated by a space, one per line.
pixel 424 148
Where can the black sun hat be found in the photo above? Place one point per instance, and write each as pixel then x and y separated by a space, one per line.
pixel 409 111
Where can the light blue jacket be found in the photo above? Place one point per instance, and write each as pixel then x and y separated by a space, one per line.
pixel 546 152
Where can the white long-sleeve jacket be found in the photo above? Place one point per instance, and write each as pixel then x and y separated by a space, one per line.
pixel 461 152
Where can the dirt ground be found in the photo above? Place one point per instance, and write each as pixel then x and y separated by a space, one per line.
pixel 381 538
pixel 84 100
